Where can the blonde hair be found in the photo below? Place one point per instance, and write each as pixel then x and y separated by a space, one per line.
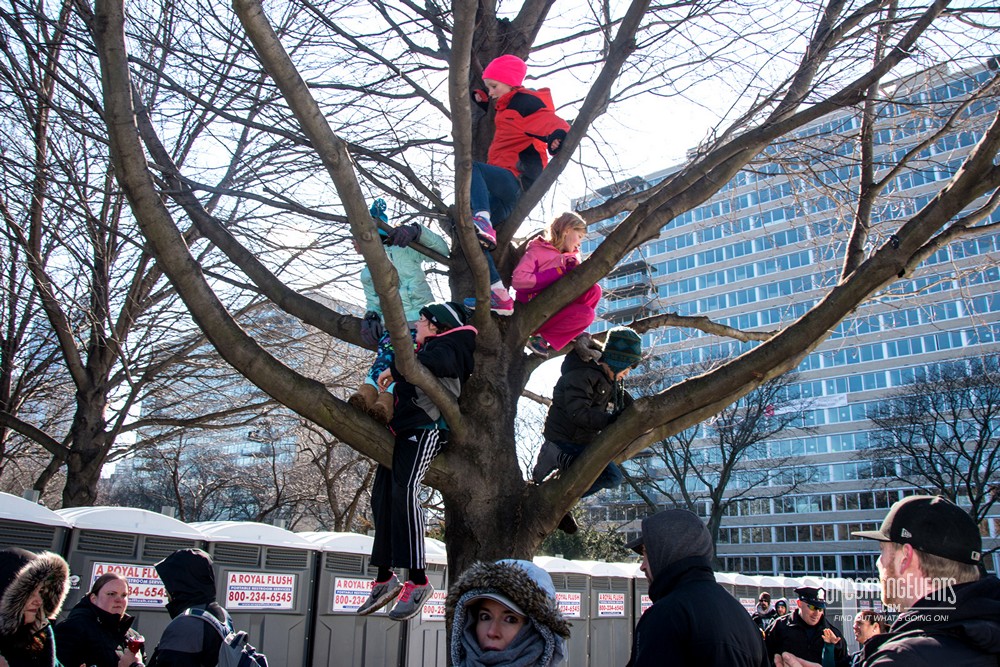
pixel 556 233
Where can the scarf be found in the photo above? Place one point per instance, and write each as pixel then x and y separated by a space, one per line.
pixel 534 646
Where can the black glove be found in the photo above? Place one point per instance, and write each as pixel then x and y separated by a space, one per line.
pixel 404 235
pixel 557 136
pixel 371 328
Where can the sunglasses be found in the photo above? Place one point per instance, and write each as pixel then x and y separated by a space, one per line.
pixel 814 607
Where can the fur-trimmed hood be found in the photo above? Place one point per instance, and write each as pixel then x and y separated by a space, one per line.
pixel 513 582
pixel 519 583
pixel 21 572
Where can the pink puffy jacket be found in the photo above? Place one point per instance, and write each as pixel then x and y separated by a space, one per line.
pixel 542 265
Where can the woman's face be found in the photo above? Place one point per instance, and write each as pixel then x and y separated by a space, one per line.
pixel 112 598
pixel 33 608
pixel 496 626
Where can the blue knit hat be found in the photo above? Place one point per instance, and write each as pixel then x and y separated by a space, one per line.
pixel 378 210
pixel 622 349
pixel 447 315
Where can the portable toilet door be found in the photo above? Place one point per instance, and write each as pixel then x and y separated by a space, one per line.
pixel 129 541
pixel 341 637
pixel 572 582
pixel 426 636
pixel 264 576
pixel 611 620
pixel 641 600
pixel 31 526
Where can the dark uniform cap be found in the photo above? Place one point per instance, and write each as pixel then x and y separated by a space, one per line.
pixel 811 595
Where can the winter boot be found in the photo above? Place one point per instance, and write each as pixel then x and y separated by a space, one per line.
pixel 364 398
pixel 383 408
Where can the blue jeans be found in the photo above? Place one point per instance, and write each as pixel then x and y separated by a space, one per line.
pixel 609 478
pixel 496 190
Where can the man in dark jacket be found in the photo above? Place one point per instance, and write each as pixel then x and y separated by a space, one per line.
pixel 764 613
pixel 929 568
pixel 693 620
pixel 445 347
pixel 189 641
pixel 589 395
pixel 801 632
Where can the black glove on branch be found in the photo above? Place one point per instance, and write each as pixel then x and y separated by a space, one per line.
pixel 404 235
pixel 371 328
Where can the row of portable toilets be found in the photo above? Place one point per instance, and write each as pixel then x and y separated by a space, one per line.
pixel 296 593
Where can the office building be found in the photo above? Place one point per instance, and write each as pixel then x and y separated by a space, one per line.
pixel 759 254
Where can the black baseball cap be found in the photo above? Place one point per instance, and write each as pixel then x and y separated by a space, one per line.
pixel 932 524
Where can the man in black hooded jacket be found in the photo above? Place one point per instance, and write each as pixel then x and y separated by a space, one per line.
pixel 188 641
pixel 693 620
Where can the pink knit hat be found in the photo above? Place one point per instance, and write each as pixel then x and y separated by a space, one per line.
pixel 506 69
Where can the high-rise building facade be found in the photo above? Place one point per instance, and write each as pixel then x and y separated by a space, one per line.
pixel 761 253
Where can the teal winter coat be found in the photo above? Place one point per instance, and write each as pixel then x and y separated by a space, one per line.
pixel 409 263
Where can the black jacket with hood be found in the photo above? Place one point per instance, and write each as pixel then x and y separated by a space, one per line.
pixel 21 572
pixel 932 634
pixel 188 641
pixel 580 401
pixel 449 357
pixel 693 620
pixel 92 636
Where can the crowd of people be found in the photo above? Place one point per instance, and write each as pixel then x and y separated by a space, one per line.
pixel 506 613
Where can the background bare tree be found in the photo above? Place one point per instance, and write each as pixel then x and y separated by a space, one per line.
pixel 942 433
pixel 711 468
pixel 374 98
pixel 340 479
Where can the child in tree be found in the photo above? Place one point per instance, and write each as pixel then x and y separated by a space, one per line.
pixel 588 397
pixel 414 292
pixel 546 260
pixel 526 129
pixel 445 346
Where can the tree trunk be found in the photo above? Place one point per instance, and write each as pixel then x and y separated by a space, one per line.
pixel 87 451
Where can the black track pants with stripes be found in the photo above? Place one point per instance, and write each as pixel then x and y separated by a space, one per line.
pixel 399 519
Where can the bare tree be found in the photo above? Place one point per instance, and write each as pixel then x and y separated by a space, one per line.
pixel 941 433
pixel 365 87
pixel 726 459
pixel 339 479
pixel 90 324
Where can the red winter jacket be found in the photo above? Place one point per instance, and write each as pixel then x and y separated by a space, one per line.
pixel 526 122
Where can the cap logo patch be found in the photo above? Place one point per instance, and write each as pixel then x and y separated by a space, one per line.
pixel 905 533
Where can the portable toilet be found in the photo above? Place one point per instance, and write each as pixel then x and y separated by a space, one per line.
pixel 747 589
pixel 427 637
pixel 264 576
pixel 344 638
pixel 572 582
pixel 129 541
pixel 641 600
pixel 611 621
pixel 31 526
pixel 341 637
